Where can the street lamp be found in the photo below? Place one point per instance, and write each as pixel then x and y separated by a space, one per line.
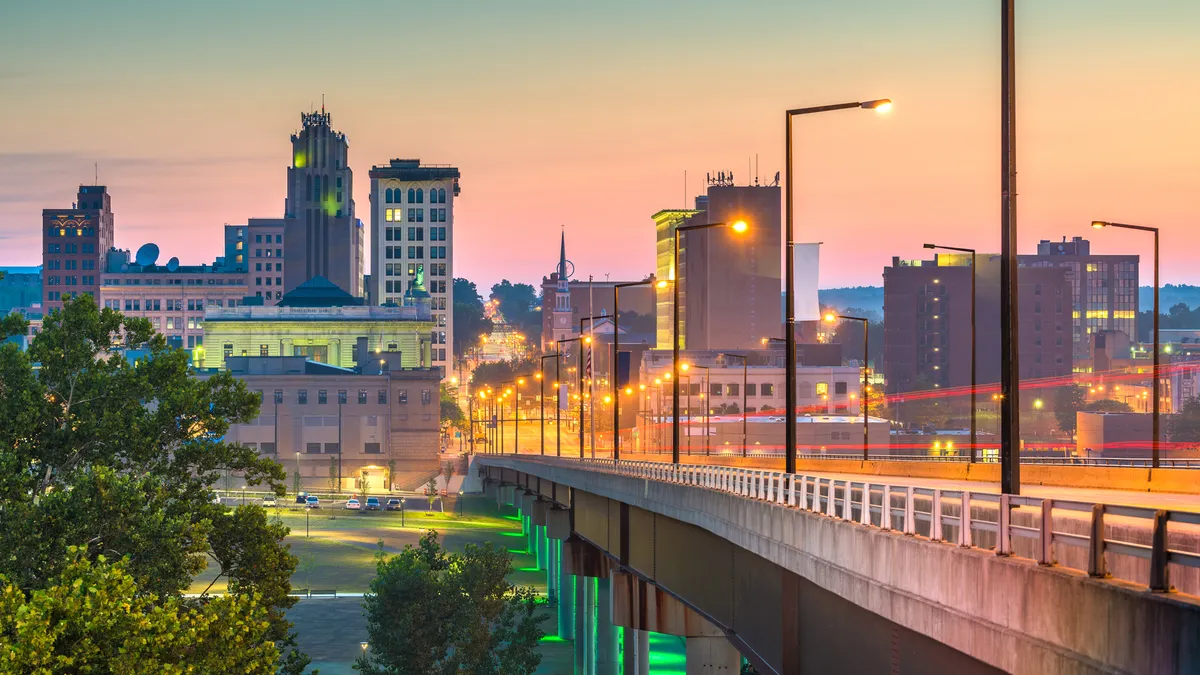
pixel 862 403
pixel 705 387
pixel 974 273
pixel 541 378
pixel 880 105
pixel 739 227
pixel 579 339
pixel 617 357
pixel 1099 224
pixel 745 380
pixel 517 416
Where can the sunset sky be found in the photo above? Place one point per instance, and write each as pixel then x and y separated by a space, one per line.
pixel 588 114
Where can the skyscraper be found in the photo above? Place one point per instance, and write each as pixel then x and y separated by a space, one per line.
pixel 321 235
pixel 729 298
pixel 412 232
pixel 258 247
pixel 75 244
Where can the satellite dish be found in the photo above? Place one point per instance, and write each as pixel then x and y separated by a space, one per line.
pixel 124 267
pixel 172 264
pixel 147 255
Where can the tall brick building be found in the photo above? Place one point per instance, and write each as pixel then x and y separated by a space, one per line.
pixel 75 243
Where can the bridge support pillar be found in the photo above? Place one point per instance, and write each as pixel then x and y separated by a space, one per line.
pixel 540 536
pixel 606 633
pixel 558 523
pixel 551 571
pixel 566 600
pixel 636 657
pixel 712 656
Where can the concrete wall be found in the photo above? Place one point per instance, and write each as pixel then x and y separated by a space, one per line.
pixel 1007 612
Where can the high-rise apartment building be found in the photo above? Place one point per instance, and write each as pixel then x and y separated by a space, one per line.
pixel 1104 289
pixel 257 249
pixel 321 235
pixel 927 322
pixel 730 281
pixel 75 244
pixel 412 235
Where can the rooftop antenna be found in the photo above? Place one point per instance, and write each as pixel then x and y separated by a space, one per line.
pixel 96 169
pixel 684 189
pixel 322 104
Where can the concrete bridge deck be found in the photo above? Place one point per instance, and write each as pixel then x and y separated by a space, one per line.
pixel 861 538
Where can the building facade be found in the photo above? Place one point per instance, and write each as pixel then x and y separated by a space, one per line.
pixel 731 298
pixel 1104 288
pixel 340 425
pixel 927 322
pixel 75 243
pixel 321 235
pixel 412 232
pixel 321 322
pixel 174 298
pixel 257 249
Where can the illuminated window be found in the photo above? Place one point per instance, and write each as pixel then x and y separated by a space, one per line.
pixel 387 215
pixel 822 389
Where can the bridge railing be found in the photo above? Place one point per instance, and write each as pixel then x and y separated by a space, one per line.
pixel 1100 539
pixel 1136 462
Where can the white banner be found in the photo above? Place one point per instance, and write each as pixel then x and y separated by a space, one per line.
pixel 808 262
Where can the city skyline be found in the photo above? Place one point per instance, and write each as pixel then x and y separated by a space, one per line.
pixel 552 132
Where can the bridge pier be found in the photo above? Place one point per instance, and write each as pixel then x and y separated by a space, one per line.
pixel 636 657
pixel 606 633
pixel 712 656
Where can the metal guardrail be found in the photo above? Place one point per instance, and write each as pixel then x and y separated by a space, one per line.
pixel 895 507
pixel 1134 462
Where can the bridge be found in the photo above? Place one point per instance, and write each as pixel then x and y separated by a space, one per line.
pixel 827 571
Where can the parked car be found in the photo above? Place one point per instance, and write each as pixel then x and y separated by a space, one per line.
pixel 311 502
pixel 215 498
pixel 301 498
pixel 372 503
pixel 393 504
pixel 268 502
pixel 352 504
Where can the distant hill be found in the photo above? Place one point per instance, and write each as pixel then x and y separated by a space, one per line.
pixel 1168 295
pixel 868 298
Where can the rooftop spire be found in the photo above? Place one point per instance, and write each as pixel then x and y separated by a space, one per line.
pixel 562 257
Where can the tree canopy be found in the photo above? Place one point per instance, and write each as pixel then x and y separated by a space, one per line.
pixel 93 617
pixel 516 303
pixel 104 456
pixel 469 319
pixel 434 612
pixel 1184 426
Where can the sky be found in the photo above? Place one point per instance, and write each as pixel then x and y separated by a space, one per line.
pixel 584 117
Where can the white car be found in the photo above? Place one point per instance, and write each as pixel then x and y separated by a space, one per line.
pixel 268 502
pixel 352 504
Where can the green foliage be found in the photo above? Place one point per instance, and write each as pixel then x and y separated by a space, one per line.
pixel 466 292
pixel 440 613
pixel 1184 426
pixel 635 322
pixel 493 374
pixel 1107 405
pixel 1067 402
pixel 391 474
pixel 516 304
pixel 452 414
pixel 93 617
pixel 119 458
pixel 333 474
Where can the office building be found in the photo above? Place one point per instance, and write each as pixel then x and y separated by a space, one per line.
pixel 21 291
pixel 342 424
pixel 173 297
pixel 323 323
pixel 927 322
pixel 1104 288
pixel 75 243
pixel 321 235
pixel 730 281
pixel 412 233
pixel 257 248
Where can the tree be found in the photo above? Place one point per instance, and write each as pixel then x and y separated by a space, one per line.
pixel 495 373
pixel 391 474
pixel 92 616
pixel 469 323
pixel 452 414
pixel 1067 402
pixel 635 322
pixel 447 472
pixel 1107 405
pixel 119 458
pixel 434 612
pixel 516 303
pixel 1184 426
pixel 333 474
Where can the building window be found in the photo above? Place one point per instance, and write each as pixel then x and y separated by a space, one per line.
pixel 227 349
pixel 426 396
pixel 387 199
pixel 767 389
pixel 371 448
pixel 362 396
pixel 262 349
pixel 715 389
pixel 402 396
pixel 278 396
pixel 332 449
pixel 267 448
pixel 312 448
pixel 839 387
pixel 342 396
pixel 382 396
pixel 412 196
pixel 322 397
pixel 302 397
pixel 751 389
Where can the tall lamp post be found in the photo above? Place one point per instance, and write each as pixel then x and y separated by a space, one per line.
pixel 517 415
pixel 789 327
pixel 974 274
pixel 616 385
pixel 866 372
pixel 541 378
pixel 1154 369
pixel 580 339
pixel 738 227
pixel 745 381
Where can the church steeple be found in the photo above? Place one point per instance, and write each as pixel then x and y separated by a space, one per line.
pixel 561 328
